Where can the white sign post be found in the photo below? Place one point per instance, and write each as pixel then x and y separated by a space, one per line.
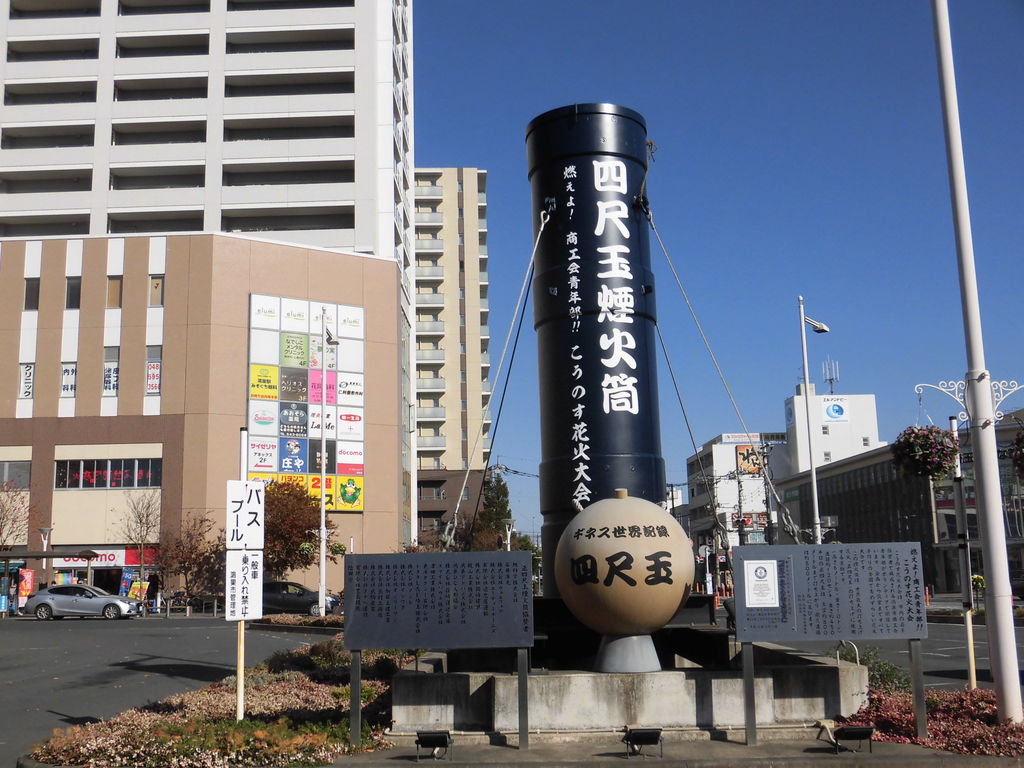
pixel 244 515
pixel 243 568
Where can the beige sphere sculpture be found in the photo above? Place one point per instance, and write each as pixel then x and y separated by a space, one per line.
pixel 624 566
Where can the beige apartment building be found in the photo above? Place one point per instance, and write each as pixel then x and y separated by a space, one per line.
pixel 131 365
pixel 453 364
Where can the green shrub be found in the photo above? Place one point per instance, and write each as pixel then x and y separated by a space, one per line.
pixel 882 675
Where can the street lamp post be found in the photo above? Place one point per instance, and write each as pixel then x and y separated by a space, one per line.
pixel 818 328
pixel 978 399
pixel 326 339
pixel 45 535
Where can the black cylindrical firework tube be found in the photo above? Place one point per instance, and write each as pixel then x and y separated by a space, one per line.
pixel 594 314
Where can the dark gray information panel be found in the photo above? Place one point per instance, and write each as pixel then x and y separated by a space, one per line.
pixel 829 592
pixel 439 600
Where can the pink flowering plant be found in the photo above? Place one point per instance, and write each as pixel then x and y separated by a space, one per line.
pixel 964 722
pixel 1017 454
pixel 925 451
pixel 297 714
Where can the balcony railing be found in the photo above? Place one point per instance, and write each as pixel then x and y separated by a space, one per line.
pixel 428 191
pixel 429 442
pixel 429 299
pixel 429 245
pixel 429 272
pixel 430 355
pixel 430 385
pixel 429 326
pixel 429 218
pixel 430 414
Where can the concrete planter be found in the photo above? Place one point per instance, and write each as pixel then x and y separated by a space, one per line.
pixel 803 691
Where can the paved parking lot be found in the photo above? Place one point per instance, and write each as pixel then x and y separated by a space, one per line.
pixel 59 673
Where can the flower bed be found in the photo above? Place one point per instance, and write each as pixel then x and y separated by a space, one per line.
pixel 297 714
pixel 300 620
pixel 958 721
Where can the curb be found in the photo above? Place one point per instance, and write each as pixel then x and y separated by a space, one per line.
pixel 298 629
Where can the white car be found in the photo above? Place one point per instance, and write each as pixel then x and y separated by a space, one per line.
pixel 80 600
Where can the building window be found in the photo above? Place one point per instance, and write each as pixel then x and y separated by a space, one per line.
pixel 154 369
pixel 828 456
pixel 156 290
pixel 114 291
pixel 111 370
pixel 865 441
pixel 68 377
pixel 824 429
pixel 31 294
pixel 17 473
pixel 108 473
pixel 27 381
pixel 73 294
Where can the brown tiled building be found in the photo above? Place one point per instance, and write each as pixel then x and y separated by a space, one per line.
pixel 125 366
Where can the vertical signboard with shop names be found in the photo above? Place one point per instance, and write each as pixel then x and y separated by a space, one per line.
pixel 299 391
pixel 594 314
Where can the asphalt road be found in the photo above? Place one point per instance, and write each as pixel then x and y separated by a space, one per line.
pixel 54 674
pixel 943 654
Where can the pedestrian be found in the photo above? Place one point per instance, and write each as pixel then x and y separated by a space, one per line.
pixel 152 591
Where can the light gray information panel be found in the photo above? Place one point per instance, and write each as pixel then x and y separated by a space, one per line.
pixel 829 592
pixel 439 600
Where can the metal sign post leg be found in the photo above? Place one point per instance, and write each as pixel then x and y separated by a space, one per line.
pixel 917 679
pixel 749 706
pixel 524 708
pixel 355 731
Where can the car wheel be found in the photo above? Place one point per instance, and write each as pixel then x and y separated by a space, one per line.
pixel 44 612
pixel 111 612
pixel 314 609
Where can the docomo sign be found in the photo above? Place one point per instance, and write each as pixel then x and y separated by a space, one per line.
pixel 107 558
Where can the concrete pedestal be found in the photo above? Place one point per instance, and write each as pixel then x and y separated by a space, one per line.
pixel 627 653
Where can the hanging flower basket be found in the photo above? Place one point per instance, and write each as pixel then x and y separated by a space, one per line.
pixel 1017 454
pixel 925 451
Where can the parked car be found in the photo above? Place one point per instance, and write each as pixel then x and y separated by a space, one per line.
pixel 289 597
pixel 80 600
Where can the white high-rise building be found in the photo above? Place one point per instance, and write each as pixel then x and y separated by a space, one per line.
pixel 287 119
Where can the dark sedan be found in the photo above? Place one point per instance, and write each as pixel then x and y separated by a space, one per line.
pixel 79 600
pixel 289 597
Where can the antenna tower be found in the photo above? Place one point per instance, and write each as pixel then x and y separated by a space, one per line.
pixel 830 373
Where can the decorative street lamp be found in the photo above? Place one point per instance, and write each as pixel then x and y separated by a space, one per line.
pixel 326 340
pixel 818 328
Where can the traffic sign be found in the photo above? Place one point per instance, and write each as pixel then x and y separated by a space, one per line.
pixel 243 585
pixel 245 523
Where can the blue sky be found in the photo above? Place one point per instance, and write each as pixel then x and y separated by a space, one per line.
pixel 800 151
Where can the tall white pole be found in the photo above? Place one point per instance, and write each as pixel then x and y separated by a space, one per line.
pixel 321 600
pixel 978 396
pixel 243 475
pixel 815 517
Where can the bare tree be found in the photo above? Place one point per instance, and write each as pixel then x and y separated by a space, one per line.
pixel 14 510
pixel 141 524
pixel 193 554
